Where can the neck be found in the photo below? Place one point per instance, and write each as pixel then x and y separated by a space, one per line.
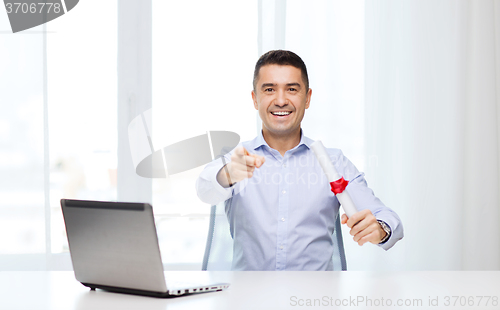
pixel 282 143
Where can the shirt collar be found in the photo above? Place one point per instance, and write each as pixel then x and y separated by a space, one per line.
pixel 259 141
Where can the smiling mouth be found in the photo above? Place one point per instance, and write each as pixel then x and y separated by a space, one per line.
pixel 281 113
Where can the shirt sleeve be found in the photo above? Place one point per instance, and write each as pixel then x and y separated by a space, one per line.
pixel 208 188
pixel 364 198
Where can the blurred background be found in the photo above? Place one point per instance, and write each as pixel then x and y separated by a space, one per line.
pixel 409 90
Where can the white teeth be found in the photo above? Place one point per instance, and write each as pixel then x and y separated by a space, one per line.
pixel 281 113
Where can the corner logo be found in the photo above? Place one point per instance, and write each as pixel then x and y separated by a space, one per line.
pixel 31 13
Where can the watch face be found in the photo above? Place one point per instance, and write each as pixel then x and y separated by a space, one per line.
pixel 387 230
pixel 385 227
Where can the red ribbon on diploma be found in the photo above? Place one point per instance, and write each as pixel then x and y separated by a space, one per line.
pixel 339 185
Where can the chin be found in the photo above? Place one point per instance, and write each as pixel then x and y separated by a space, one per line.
pixel 280 131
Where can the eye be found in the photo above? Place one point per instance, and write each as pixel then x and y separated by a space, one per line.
pixel 268 89
pixel 292 89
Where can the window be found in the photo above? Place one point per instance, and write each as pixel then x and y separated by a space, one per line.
pixel 22 213
pixel 204 54
pixel 82 105
pixel 58 128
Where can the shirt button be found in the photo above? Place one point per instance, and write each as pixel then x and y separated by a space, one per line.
pixel 284 165
pixel 284 191
pixel 282 219
pixel 281 247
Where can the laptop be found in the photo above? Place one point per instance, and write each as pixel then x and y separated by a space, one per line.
pixel 114 247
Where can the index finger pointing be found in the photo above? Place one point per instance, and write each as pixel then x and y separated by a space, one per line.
pixel 259 160
pixel 241 151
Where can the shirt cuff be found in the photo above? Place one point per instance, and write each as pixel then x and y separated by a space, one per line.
pixel 220 190
pixel 394 237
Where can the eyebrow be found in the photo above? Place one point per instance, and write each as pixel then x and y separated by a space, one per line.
pixel 265 85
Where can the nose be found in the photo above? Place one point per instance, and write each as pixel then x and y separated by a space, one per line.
pixel 281 100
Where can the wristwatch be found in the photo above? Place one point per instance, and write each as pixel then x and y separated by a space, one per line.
pixel 387 230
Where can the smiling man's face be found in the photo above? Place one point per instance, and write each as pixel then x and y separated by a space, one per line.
pixel 281 98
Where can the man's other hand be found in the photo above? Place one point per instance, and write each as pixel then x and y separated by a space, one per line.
pixel 364 227
pixel 242 166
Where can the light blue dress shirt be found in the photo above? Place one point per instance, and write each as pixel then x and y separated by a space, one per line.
pixel 284 216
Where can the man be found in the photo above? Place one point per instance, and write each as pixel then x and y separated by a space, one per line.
pixel 277 199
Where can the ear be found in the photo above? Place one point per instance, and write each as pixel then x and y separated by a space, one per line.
pixel 308 98
pixel 254 98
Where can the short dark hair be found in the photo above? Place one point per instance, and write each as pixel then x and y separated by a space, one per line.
pixel 282 58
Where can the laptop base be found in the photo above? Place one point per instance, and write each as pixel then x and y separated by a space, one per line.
pixel 176 293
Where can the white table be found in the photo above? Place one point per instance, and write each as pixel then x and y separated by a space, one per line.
pixel 39 290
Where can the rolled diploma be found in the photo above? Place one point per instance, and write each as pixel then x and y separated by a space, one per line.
pixel 332 176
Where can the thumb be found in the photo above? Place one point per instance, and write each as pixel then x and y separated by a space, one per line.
pixel 344 219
